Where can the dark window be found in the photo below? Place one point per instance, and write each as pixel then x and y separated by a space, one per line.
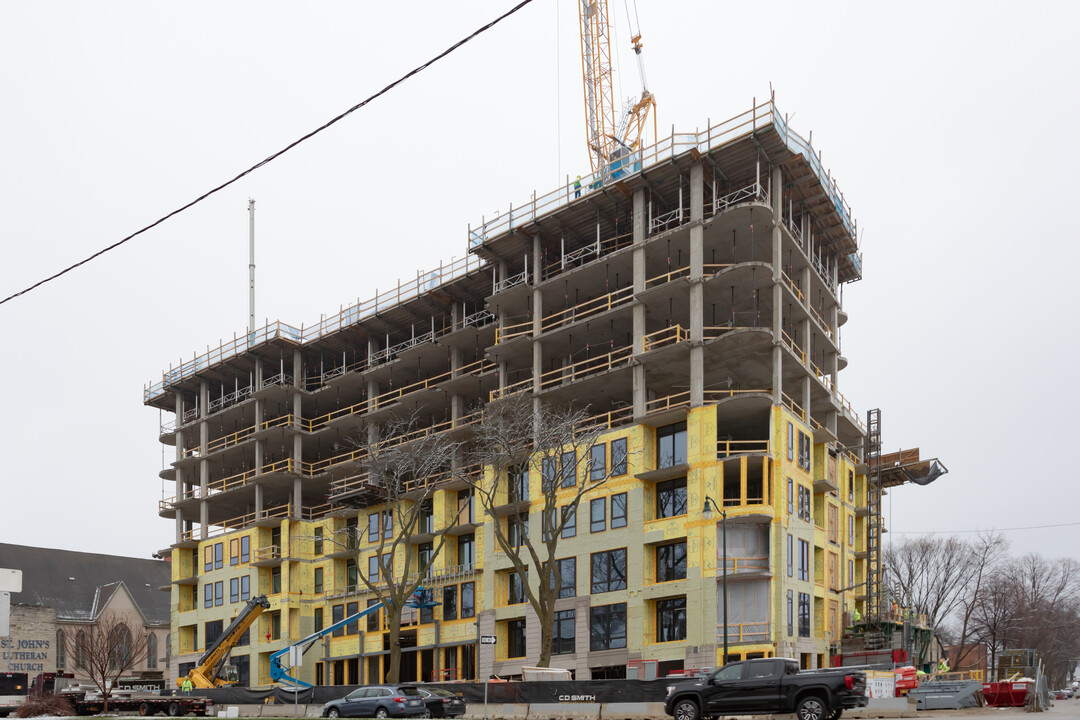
pixel 245 637
pixel 598 461
pixel 465 546
pixel 425 554
pixel 569 514
pixel 607 627
pixel 234 590
pixel 337 614
pixel 318 579
pixel 351 609
pixel 618 511
pixel 426 520
pixel 671 498
pixel 518 488
pixel 373 624
pixel 449 602
pixel 275 580
pixel 671 619
pixel 568 466
pixel 562 633
pixel 208 595
pixel 618 456
pixel 671 562
pixel 245 587
pixel 851 486
pixel 608 570
pixel 804 560
pixel 549 472
pixel 515 638
pixel 517 529
pixel 465 499
pixel 515 589
pixel 804 615
pixel 790 612
pixel 804 451
pixel 318 541
pixel 468 600
pixel 598 515
pixel 213 631
pixel 671 445
pixel 318 619
pixel 388 524
pixel 567 577
pixel 427 607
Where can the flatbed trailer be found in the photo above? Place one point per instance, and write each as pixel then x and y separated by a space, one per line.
pixel 173 706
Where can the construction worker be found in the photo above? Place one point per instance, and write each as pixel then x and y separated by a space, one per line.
pixel 187 686
pixel 577 187
pixel 855 616
pixel 942 666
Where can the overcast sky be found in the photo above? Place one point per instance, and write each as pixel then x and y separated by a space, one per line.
pixel 946 124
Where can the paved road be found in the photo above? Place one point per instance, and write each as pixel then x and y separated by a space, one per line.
pixel 1062 710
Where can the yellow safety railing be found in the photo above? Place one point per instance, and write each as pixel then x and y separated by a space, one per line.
pixel 736 565
pixel 662 338
pixel 268 552
pixel 510 390
pixel 586 309
pixel 727 448
pixel 749 632
pixel 586 368
pixel 510 332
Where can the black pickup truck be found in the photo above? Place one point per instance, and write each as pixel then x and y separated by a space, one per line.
pixel 769 686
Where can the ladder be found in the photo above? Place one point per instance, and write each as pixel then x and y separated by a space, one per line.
pixel 874 600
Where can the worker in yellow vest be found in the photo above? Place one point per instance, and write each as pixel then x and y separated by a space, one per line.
pixel 187 686
pixel 942 666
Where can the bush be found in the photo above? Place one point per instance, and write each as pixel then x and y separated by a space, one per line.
pixel 54 705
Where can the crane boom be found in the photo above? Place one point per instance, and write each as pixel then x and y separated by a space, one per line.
pixel 206 673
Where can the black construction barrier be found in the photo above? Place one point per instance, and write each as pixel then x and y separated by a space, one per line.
pixel 579 691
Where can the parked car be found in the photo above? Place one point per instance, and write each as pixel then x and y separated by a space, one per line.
pixel 378 701
pixel 768 686
pixel 442 703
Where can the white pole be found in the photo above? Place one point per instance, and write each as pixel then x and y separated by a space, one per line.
pixel 251 266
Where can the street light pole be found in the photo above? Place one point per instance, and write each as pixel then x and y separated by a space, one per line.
pixel 707 514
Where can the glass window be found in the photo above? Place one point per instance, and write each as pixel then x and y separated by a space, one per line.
pixel 515 638
pixel 618 511
pixel 598 515
pixel 245 587
pixel 373 527
pixel 337 614
pixel 569 514
pixel 373 624
pixel 851 485
pixel 790 496
pixel 517 529
pixel 373 568
pixel 515 589
pixel 352 576
pixel 790 612
pixel 568 465
pixel 219 555
pixel 318 579
pixel 208 595
pixel 607 627
pixel 671 445
pixel 426 520
pixel 318 619
pixel 468 600
pixel 790 555
pixel 245 548
pixel 804 615
pixel 548 473
pixel 562 633
pixel 351 609
pixel 234 590
pixel 598 461
pixel 318 542
pixel 790 441
pixel 518 488
pixel 618 456
pixel 671 619
pixel 425 555
pixel 671 498
pixel 804 560
pixel 427 607
pixel 388 524
pixel 208 558
pixel 234 551
pixel 567 577
pixel 465 549
pixel 850 529
pixel 275 580
pixel 608 570
pixel 465 500
pixel 671 562
pixel 449 602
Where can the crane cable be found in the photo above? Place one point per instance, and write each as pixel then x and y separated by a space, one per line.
pixel 277 154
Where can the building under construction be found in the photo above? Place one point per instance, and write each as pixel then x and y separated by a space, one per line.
pixel 691 297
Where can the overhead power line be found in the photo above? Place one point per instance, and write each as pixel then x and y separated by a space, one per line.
pixel 279 153
pixel 954 532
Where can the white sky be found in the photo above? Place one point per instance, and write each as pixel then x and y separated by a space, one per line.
pixel 945 123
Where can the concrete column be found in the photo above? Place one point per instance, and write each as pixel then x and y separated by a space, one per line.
pixel 501 323
pixel 372 388
pixel 638 309
pixel 805 336
pixel 697 286
pixel 298 440
pixel 776 194
pixel 178 454
pixel 204 464
pixel 538 316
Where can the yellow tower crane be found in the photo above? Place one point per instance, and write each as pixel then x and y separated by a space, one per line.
pixel 609 142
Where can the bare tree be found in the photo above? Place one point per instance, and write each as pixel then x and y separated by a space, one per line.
pixel 520 439
pixel 995 617
pixel 987 552
pixel 107 648
pixel 402 465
